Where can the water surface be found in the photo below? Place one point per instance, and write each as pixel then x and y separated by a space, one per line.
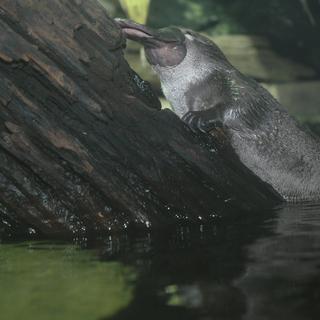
pixel 264 266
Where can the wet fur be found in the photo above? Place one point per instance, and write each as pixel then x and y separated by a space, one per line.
pixel 208 91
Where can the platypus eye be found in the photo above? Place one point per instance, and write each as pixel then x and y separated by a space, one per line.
pixel 189 34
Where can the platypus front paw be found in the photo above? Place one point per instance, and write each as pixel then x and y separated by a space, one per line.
pixel 199 120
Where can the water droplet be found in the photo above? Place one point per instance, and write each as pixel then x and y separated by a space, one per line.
pixel 31 231
pixel 6 222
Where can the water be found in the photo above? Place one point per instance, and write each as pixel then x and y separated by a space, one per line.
pixel 265 266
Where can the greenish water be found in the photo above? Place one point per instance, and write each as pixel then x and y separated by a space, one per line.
pixel 262 266
pixel 46 281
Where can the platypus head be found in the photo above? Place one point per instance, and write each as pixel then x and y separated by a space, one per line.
pixel 164 47
pixel 168 47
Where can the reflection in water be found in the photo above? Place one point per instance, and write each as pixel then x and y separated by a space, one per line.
pixel 282 279
pixel 267 269
pixel 260 267
pixel 189 273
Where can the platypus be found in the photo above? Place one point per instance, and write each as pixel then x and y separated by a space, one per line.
pixel 206 91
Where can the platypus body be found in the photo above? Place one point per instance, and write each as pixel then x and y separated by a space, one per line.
pixel 207 92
